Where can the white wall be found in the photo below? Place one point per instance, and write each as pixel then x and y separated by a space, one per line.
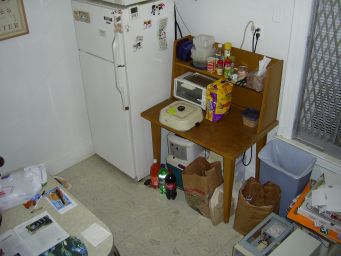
pixel 42 108
pixel 226 20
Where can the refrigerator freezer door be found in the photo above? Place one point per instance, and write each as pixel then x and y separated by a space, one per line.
pixel 94 26
pixel 110 124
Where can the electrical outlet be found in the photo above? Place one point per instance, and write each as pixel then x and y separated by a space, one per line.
pixel 255 27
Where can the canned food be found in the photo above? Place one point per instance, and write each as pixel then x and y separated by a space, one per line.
pixel 211 64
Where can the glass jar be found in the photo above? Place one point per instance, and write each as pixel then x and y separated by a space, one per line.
pixel 242 72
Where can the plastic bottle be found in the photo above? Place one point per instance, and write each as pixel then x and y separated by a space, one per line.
pixel 161 177
pixel 170 181
pixel 219 54
pixel 154 171
pixel 228 68
pixel 227 50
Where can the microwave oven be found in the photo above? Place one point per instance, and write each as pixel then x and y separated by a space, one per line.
pixel 191 87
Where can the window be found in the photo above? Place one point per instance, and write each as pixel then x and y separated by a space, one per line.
pixel 319 116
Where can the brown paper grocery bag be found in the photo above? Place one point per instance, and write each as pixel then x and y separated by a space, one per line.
pixel 262 200
pixel 200 178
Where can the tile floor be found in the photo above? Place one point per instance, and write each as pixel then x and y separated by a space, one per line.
pixel 143 221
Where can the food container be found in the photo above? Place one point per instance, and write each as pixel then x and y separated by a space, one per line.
pixel 242 72
pixel 211 64
pixel 203 47
pixel 200 56
pixel 250 117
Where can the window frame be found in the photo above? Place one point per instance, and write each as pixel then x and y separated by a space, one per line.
pixel 291 87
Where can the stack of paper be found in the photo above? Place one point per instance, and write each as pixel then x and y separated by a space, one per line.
pixel 330 220
pixel 322 204
pixel 327 198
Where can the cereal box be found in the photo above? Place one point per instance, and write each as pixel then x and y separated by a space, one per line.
pixel 218 99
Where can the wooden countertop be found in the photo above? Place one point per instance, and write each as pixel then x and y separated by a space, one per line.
pixel 228 137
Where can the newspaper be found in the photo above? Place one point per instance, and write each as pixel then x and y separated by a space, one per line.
pixel 32 237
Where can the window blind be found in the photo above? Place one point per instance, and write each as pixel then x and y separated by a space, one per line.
pixel 319 116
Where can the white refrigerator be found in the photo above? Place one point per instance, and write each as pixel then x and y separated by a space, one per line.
pixel 125 55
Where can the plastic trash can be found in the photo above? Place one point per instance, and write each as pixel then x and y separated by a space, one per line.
pixel 287 166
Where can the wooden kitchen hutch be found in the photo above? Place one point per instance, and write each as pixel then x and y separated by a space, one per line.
pixel 228 137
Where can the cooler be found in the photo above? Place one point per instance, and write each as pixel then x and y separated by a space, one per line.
pixel 176 166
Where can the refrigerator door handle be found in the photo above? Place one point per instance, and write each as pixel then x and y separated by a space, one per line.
pixel 118 74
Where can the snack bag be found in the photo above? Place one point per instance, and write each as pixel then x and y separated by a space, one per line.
pixel 218 99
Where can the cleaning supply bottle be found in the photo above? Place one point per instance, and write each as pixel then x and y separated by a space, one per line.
pixel 154 171
pixel 161 178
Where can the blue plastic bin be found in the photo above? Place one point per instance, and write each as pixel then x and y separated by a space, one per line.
pixel 287 166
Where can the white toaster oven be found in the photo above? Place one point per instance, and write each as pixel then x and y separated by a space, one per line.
pixel 191 87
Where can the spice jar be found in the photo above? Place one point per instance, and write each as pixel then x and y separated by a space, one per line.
pixel 220 67
pixel 228 68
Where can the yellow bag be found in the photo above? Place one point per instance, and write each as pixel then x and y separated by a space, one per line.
pixel 218 99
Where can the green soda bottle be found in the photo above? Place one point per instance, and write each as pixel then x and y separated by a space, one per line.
pixel 161 177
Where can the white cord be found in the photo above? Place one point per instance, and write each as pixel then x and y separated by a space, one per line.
pixel 176 8
pixel 247 25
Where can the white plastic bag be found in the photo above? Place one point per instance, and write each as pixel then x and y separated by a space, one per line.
pixel 217 205
pixel 21 185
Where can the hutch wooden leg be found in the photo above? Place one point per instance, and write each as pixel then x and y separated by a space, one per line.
pixel 259 145
pixel 229 165
pixel 156 139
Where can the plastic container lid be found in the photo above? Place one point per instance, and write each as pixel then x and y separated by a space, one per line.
pixel 227 45
pixel 250 113
pixel 203 41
